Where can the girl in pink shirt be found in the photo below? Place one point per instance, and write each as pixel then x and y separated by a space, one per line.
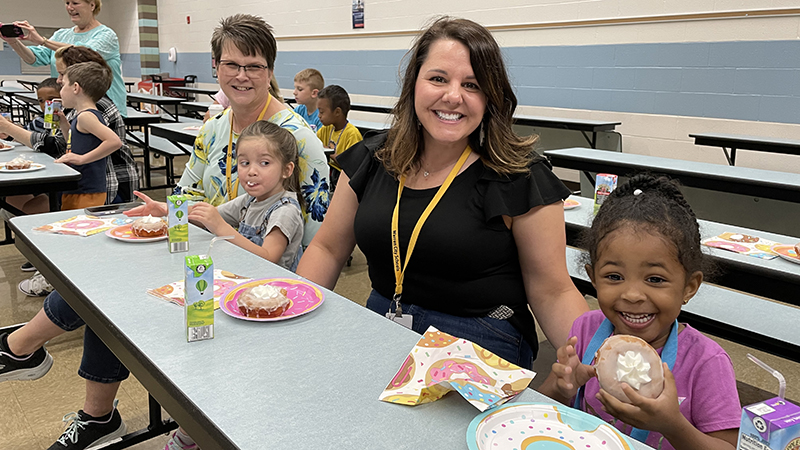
pixel 645 263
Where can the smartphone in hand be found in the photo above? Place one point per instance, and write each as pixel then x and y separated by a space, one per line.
pixel 11 31
pixel 116 208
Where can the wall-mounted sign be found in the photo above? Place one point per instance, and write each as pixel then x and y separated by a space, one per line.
pixel 358 14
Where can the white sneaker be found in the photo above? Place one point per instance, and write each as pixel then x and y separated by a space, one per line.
pixel 35 286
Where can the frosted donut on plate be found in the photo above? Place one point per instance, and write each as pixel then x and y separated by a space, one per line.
pixel 149 227
pixel 797 249
pixel 18 163
pixel 628 359
pixel 263 302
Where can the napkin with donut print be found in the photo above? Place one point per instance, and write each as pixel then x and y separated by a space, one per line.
pixel 744 244
pixel 223 282
pixel 440 363
pixel 83 225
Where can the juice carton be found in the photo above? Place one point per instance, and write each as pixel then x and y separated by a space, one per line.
pixel 199 298
pixel 773 424
pixel 604 184
pixel 178 222
pixel 50 117
pixel 770 425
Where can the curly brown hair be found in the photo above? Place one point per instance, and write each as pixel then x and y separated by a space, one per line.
pixel 502 150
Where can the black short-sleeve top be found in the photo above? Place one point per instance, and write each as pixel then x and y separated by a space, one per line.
pixel 465 262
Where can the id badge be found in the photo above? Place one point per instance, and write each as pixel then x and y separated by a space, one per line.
pixel 405 320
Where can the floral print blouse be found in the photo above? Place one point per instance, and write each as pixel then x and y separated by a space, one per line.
pixel 208 164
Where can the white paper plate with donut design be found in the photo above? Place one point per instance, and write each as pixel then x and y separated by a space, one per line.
pixel 527 426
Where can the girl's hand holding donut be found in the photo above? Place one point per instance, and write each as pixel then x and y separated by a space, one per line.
pixel 661 414
pixel 569 371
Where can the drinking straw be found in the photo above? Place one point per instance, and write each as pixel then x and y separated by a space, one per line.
pixel 775 373
pixel 215 239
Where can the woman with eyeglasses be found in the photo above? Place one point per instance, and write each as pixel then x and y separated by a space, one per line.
pixel 244 50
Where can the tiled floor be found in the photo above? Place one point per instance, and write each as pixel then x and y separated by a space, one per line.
pixel 31 412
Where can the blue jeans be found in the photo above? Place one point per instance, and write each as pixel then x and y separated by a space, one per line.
pixel 497 336
pixel 98 363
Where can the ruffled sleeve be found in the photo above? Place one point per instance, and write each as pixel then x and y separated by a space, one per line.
pixel 517 194
pixel 359 161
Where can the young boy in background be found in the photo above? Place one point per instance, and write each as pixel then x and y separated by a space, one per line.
pixel 47 90
pixel 307 84
pixel 337 133
pixel 89 140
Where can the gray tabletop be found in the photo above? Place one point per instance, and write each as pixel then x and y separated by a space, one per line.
pixel 715 177
pixel 11 90
pixel 155 99
pixel 176 131
pixel 11 183
pixel 775 278
pixel 309 382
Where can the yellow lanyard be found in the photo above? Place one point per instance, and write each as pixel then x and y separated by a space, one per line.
pixel 399 270
pixel 233 188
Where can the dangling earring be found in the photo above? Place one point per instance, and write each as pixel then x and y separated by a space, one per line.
pixel 419 125
pixel 481 137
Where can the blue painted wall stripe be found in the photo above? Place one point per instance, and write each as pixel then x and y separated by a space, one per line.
pixel 148 23
pixel 758 81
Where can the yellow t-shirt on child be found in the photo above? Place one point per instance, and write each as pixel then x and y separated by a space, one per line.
pixel 340 140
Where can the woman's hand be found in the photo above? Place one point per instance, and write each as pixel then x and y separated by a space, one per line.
pixel 150 207
pixel 30 33
pixel 661 414
pixel 569 371
pixel 208 215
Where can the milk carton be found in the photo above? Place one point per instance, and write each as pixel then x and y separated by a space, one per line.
pixel 605 184
pixel 178 222
pixel 199 298
pixel 770 425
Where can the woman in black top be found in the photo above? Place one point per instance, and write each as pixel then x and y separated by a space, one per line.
pixel 493 244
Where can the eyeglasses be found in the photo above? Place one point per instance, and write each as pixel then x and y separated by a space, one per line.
pixel 231 69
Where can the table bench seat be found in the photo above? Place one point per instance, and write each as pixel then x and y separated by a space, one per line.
pixel 162 147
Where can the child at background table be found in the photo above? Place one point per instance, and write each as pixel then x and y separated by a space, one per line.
pixel 307 85
pixel 89 140
pixel 337 133
pixel 269 220
pixel 47 90
pixel 646 262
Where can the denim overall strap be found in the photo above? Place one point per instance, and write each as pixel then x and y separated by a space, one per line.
pixel 256 234
pixel 669 354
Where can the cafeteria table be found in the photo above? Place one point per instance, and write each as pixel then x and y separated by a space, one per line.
pixel 159 100
pixel 54 178
pixel 715 177
pixel 176 132
pixel 29 84
pixel 32 105
pixel 309 382
pixel 198 108
pixel 584 126
pixel 194 90
pixel 11 92
pixel 731 142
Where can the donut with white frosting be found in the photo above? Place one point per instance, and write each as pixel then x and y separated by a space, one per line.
pixel 263 302
pixel 631 360
pixel 149 227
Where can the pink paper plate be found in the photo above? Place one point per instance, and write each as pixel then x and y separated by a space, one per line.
pixel 124 233
pixel 305 297
pixel 787 252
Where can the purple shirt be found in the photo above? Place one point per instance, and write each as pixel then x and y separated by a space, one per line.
pixel 704 379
